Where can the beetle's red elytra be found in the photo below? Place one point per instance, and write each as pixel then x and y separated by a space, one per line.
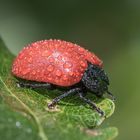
pixel 57 63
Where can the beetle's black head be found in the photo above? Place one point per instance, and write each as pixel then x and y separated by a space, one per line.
pixel 95 80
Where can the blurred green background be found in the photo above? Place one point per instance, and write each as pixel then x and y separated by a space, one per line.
pixel 109 28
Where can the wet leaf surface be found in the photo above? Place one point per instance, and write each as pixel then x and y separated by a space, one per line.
pixel 24 113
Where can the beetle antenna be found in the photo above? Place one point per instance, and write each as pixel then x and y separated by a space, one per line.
pixel 111 95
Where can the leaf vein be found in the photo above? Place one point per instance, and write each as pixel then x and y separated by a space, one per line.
pixel 40 128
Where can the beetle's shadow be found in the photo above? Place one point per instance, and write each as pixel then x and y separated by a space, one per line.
pixel 71 100
pixel 55 91
pixel 51 94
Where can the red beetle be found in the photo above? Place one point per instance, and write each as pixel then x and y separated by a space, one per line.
pixel 56 63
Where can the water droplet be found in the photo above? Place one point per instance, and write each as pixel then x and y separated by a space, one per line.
pixel 15 70
pixel 38 70
pixel 57 80
pixel 34 72
pixel 71 73
pixel 65 77
pixel 50 68
pixel 24 48
pixel 63 47
pixel 20 70
pixel 58 73
pixel 68 54
pixel 77 74
pixel 75 80
pixel 30 53
pixel 77 57
pixel 29 130
pixel 49 77
pixel 25 71
pixel 56 54
pixel 82 55
pixel 36 47
pixel 56 45
pixel 30 59
pixel 83 64
pixel 67 65
pixel 82 69
pixel 18 124
pixel 59 57
pixel 81 50
pixel 46 53
pixel 21 55
pixel 51 59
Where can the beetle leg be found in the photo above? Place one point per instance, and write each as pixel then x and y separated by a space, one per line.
pixel 65 94
pixel 91 103
pixel 111 95
pixel 34 85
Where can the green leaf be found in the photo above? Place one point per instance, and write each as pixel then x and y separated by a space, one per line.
pixel 24 113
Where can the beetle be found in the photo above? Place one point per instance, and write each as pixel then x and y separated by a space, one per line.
pixel 56 63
